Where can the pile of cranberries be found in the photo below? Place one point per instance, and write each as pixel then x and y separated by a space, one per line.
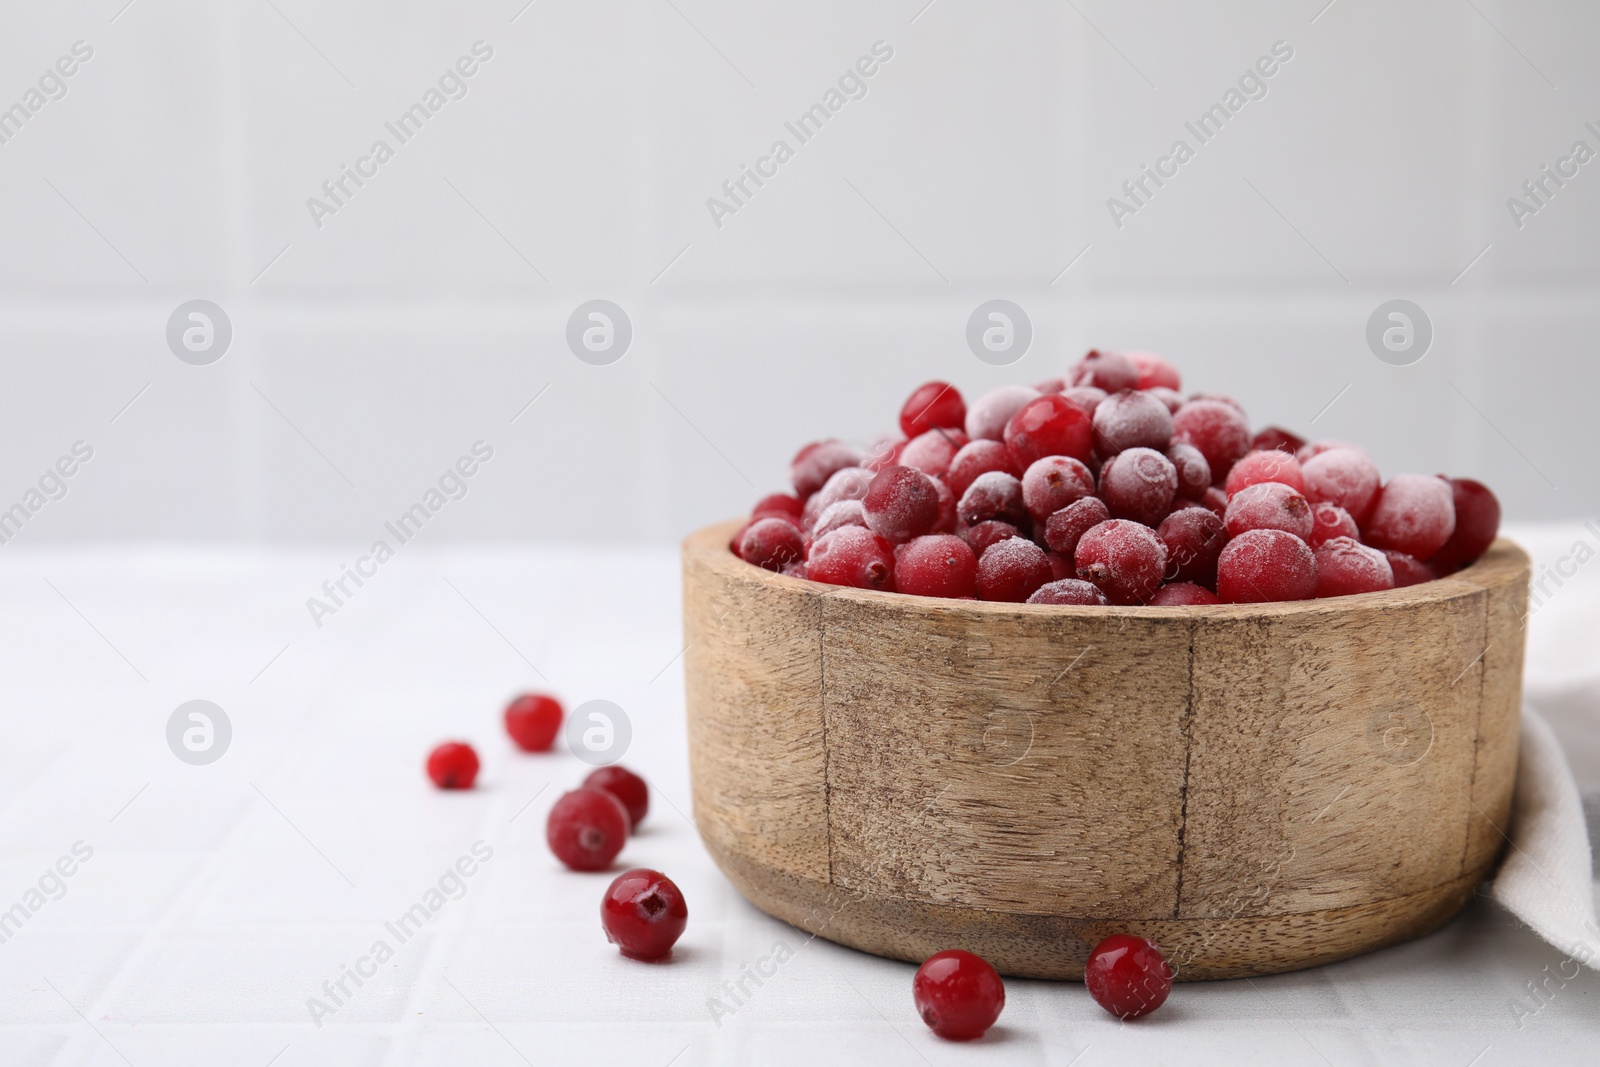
pixel 643 912
pixel 1108 487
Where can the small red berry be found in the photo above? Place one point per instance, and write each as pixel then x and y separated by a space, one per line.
pixel 1194 473
pixel 1012 570
pixel 1182 594
pixel 587 828
pixel 901 503
pixel 1124 558
pixel 771 544
pixel 1330 521
pixel 1194 537
pixel 1342 476
pixel 1052 483
pixel 533 720
pixel 1139 484
pixel 988 415
pixel 453 765
pixel 1049 426
pixel 626 787
pixel 1408 570
pixel 981 535
pixel 1265 466
pixel 1477 523
pixel 1269 506
pixel 1155 372
pixel 975 458
pixel 854 556
pixel 643 914
pixel 814 464
pixel 1069 591
pixel 959 995
pixel 1218 429
pixel 1063 530
pixel 1111 371
pixel 932 452
pixel 1131 420
pixel 993 495
pixel 1266 566
pixel 1128 976
pixel 1345 566
pixel 1276 438
pixel 780 505
pixel 932 406
pixel 936 565
pixel 1413 513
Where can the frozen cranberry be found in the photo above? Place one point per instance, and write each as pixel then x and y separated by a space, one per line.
pixel 1344 477
pixel 1275 438
pixel 1048 426
pixel 1329 521
pixel 1346 566
pixel 1477 523
pixel 626 787
pixel 1183 595
pixel 1194 473
pixel 778 505
pixel 983 534
pixel 1139 484
pixel 978 457
pixel 1215 500
pixel 1050 385
pixel 1155 372
pixel 1314 449
pixel 1408 570
pixel 993 495
pixel 885 452
pixel 1125 559
pixel 1269 506
pixel 1060 566
pixel 814 464
pixel 930 406
pixel 1069 591
pixel 1264 566
pixel 901 503
pixel 1217 429
pixel 1063 529
pixel 1052 483
pixel 1194 537
pixel 771 543
pixel 1414 514
pixel 844 513
pixel 1111 371
pixel 958 994
pixel 1131 420
pixel 643 914
pixel 453 765
pixel 1257 467
pixel 946 522
pixel 1128 976
pixel 850 483
pixel 1170 397
pixel 1221 398
pixel 1011 570
pixel 1086 397
pixel 932 452
pixel 936 565
pixel 586 829
pixel 987 416
pixel 853 556
pixel 533 720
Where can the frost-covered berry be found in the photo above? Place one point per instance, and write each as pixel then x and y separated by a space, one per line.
pixel 853 556
pixel 993 495
pixel 981 535
pixel 1314 449
pixel 1111 371
pixel 1194 473
pixel 771 543
pixel 1217 429
pixel 1477 523
pixel 1276 438
pixel 1268 506
pixel 1131 420
pixel 901 503
pixel 884 452
pixel 1011 570
pixel 1139 484
pixel 1155 372
pixel 847 483
pixel 1060 566
pixel 1051 483
pixel 1170 397
pixel 932 405
pixel 1069 591
pixel 1266 566
pixel 1183 594
pixel 936 565
pixel 778 505
pixel 1341 476
pixel 1048 426
pixel 1194 537
pixel 987 416
pixel 932 452
pixel 1414 514
pixel 1124 558
pixel 978 457
pixel 1063 529
pixel 844 513
pixel 1346 566
pixel 1408 570
pixel 1086 397
pixel 1257 467
pixel 814 464
pixel 1329 521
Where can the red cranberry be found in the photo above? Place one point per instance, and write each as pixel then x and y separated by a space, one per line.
pixel 936 565
pixel 1060 566
pixel 1314 449
pixel 959 995
pixel 626 787
pixel 1155 372
pixel 885 452
pixel 1063 529
pixel 644 914
pixel 847 483
pixel 844 513
pixel 1414 514
pixel 1012 570
pixel 1128 976
pixel 1217 429
pixel 1183 594
pixel 981 535
pixel 1050 385
pixel 901 503
pixel 1275 438
pixel 778 505
pixel 1169 397
pixel 1139 484
pixel 1052 483
pixel 1269 506
pixel 453 765
pixel 771 544
pixel 1258 467
pixel 1408 570
pixel 1069 591
pixel 1477 523
pixel 1194 473
pixel 1264 566
pixel 814 464
pixel 533 720
pixel 1049 426
pixel 1194 537
pixel 978 457
pixel 1329 521
pixel 993 495
pixel 587 828
pixel 1111 371
pixel 1131 420
pixel 932 452
pixel 1345 566
pixel 932 406
pixel 988 415
pixel 1342 476
pixel 853 556
pixel 1125 559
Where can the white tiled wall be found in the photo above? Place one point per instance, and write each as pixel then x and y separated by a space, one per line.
pixel 425 313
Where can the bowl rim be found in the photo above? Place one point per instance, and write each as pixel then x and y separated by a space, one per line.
pixel 1501 564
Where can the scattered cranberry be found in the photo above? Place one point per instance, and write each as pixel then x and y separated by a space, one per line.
pixel 1183 594
pixel 959 995
pixel 1128 976
pixel 453 765
pixel 643 914
pixel 854 556
pixel 933 405
pixel 1269 506
pixel 1052 483
pixel 978 457
pixel 1069 591
pixel 771 544
pixel 626 787
pixel 587 828
pixel 1012 570
pixel 1264 566
pixel 984 534
pixel 1345 566
pixel 1414 514
pixel 1063 530
pixel 1477 523
pixel 1126 560
pixel 936 565
pixel 1131 420
pixel 1048 426
pixel 533 720
pixel 1258 467
pixel 1194 537
pixel 1139 484
pixel 901 503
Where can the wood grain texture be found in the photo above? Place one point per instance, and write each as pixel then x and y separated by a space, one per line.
pixel 1258 787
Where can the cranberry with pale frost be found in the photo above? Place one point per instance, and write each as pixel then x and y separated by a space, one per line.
pixel 993 495
pixel 932 452
pixel 1069 591
pixel 1049 426
pixel 1111 371
pixel 1012 570
pixel 958 994
pixel 1086 397
pixel 1051 483
pixel 586 829
pixel 933 405
pixel 1139 484
pixel 901 503
pixel 853 556
pixel 1257 467
pixel 1063 529
pixel 1414 514
pixel 1124 558
pixel 987 416
pixel 1170 397
pixel 1214 499
pixel 1268 506
pixel 1128 976
pixel 1341 476
pixel 983 534
pixel 771 544
pixel 844 513
pixel 1266 566
pixel 778 505
pixel 885 452
pixel 1194 473
pixel 643 913
pixel 1183 594
pixel 1155 372
pixel 453 765
pixel 1131 420
pixel 1346 566
pixel 978 457
pixel 1329 521
pixel 1408 570
pixel 936 565
pixel 1217 429
pixel 1194 537
pixel 814 464
pixel 847 483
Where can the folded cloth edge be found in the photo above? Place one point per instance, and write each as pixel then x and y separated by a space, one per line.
pixel 1545 878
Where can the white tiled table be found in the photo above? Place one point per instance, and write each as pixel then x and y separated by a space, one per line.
pixel 220 898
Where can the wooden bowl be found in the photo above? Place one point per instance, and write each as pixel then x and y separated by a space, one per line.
pixel 1258 788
